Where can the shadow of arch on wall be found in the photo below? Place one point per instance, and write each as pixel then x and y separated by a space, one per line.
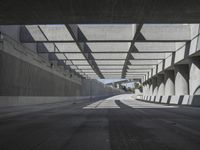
pixel 197 91
pixel 196 97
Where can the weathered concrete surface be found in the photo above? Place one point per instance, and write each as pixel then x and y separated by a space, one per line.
pixel 190 100
pixel 181 80
pixel 155 87
pixel 150 87
pixel 19 78
pixel 94 88
pixel 161 84
pixel 93 11
pixel 194 80
pixel 184 62
pixel 14 101
pixel 24 73
pixel 144 88
pixel 169 82
pixel 134 125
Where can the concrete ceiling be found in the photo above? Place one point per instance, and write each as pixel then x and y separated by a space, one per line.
pixel 109 50
pixel 99 11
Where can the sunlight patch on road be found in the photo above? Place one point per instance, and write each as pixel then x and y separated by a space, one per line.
pixel 127 99
pixel 107 103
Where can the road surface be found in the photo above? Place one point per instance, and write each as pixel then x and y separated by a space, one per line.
pixel 117 123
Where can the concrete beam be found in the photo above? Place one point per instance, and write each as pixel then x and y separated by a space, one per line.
pixel 166 32
pixel 160 84
pixel 137 33
pixel 169 82
pixel 75 31
pixel 155 87
pixel 181 79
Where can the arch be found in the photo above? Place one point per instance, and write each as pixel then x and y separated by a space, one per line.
pixel 197 91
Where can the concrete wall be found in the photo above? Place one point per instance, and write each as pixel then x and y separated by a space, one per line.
pixel 93 87
pixel 24 73
pixel 19 78
pixel 9 101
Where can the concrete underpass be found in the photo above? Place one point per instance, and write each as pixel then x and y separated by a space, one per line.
pixel 99 75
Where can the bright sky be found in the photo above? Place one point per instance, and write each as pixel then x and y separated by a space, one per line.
pixel 105 81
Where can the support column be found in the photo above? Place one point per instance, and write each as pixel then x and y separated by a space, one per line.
pixel 144 88
pixel 194 80
pixel 169 82
pixel 181 80
pixel 155 87
pixel 161 84
pixel 150 87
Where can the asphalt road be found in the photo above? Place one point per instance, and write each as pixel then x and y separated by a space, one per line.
pixel 118 123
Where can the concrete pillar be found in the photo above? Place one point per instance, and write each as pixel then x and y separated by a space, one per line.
pixel 147 88
pixel 169 82
pixel 144 88
pixel 115 85
pixel 194 76
pixel 150 87
pixel 181 79
pixel 154 85
pixel 161 84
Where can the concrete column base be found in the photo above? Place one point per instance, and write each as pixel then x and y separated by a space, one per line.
pixel 169 82
pixel 161 84
pixel 181 80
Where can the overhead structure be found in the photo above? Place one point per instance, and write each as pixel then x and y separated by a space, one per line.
pixel 128 51
pixel 95 11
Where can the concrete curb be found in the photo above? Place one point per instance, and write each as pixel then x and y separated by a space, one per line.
pixel 191 100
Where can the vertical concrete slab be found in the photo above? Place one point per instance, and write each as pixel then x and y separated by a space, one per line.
pixel 147 88
pixel 144 88
pixel 155 87
pixel 174 99
pixel 185 99
pixel 181 80
pixel 157 99
pixel 161 84
pixel 194 32
pixel 194 79
pixel 150 87
pixel 11 30
pixel 169 82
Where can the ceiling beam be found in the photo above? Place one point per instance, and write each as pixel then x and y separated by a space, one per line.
pixel 24 40
pixel 80 52
pixel 143 52
pixel 59 52
pixel 25 37
pixel 75 32
pixel 55 47
pixel 137 33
